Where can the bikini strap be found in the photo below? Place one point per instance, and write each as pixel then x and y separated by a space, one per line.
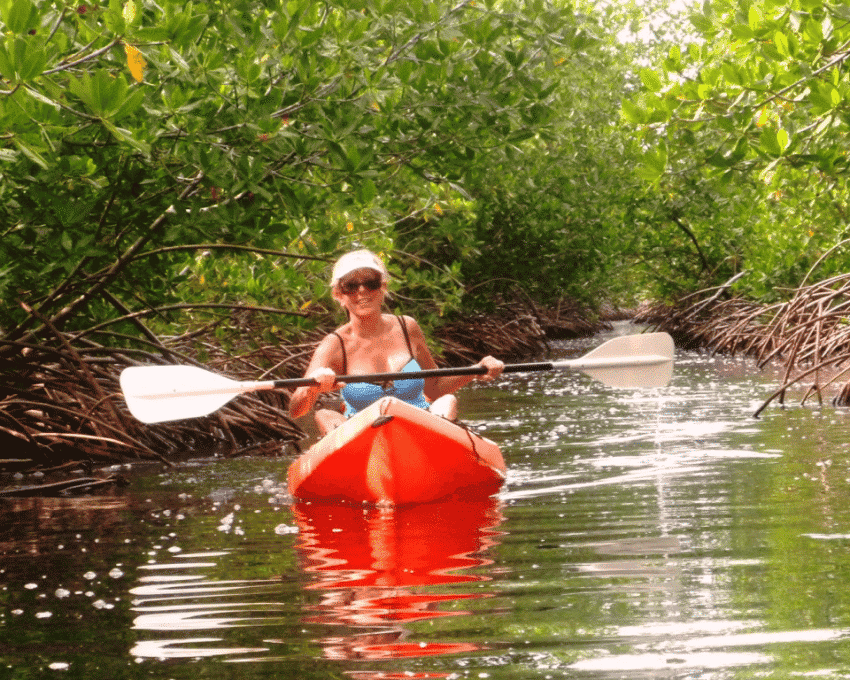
pixel 406 339
pixel 344 356
pixel 406 336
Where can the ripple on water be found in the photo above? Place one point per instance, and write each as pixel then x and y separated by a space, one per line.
pixel 640 535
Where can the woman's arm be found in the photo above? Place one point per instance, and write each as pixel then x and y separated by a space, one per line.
pixel 323 367
pixel 437 387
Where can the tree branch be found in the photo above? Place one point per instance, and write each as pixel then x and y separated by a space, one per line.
pixel 693 238
pixel 112 273
pixel 83 60
pixel 187 305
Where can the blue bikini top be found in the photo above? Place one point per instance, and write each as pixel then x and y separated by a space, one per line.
pixel 359 395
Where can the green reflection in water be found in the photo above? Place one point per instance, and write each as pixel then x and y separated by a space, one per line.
pixel 642 536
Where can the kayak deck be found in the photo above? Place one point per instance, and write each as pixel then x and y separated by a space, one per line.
pixel 392 452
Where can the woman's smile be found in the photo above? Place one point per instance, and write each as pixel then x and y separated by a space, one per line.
pixel 364 298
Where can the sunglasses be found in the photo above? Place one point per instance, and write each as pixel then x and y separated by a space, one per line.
pixel 351 287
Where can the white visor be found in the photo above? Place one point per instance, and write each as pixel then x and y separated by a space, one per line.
pixel 359 259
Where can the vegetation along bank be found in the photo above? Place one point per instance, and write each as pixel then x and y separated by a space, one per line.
pixel 175 179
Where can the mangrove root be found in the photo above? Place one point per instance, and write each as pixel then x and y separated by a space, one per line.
pixel 808 336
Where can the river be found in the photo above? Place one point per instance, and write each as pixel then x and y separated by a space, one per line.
pixel 641 534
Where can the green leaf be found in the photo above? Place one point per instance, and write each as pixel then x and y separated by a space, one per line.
pixel 352 157
pixel 71 214
pixel 732 73
pixel 31 153
pixel 35 94
pixel 81 88
pixel 820 98
pixel 21 17
pixel 742 32
pixel 113 17
pixel 7 69
pixel 32 63
pixel 673 62
pixel 130 104
pixel 113 92
pixel 650 79
pixel 701 23
pixel 367 191
pixel 152 34
pixel 103 94
pixel 812 31
pixel 781 42
pixel 405 68
pixel 127 137
pixel 719 160
pixel 654 163
pixel 741 150
pixel 515 138
pixel 515 59
pixel 648 173
pixel 675 53
pixel 769 142
pixel 754 17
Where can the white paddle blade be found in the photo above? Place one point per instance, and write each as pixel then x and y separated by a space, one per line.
pixel 644 360
pixel 639 374
pixel 158 394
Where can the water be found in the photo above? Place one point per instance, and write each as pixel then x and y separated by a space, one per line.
pixel 661 534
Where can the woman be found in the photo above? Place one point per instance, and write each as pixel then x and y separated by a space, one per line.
pixel 374 342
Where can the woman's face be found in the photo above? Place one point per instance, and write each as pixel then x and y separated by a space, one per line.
pixel 361 291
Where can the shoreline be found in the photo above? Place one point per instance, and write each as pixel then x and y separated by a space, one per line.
pixel 68 417
pixel 64 414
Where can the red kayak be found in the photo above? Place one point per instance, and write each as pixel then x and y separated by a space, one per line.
pixel 392 452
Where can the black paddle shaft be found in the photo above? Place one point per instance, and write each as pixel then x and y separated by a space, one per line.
pixel 414 375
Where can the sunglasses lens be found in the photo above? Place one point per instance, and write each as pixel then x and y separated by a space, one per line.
pixel 351 287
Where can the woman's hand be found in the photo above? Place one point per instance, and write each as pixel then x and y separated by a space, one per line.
pixel 494 368
pixel 325 379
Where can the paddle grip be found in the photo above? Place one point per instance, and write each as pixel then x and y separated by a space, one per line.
pixel 529 368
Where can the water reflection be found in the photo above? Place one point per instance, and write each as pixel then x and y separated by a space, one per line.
pixel 374 568
pixel 650 536
pixel 32 525
pixel 169 603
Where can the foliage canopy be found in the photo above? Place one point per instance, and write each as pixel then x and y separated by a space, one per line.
pixel 751 115
pixel 141 137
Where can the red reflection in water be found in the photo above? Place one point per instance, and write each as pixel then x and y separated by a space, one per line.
pixel 374 565
pixel 381 675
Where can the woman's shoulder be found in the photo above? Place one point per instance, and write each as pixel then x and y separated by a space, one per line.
pixel 412 329
pixel 329 352
pixel 408 321
pixel 331 340
pixel 345 329
pixel 411 326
